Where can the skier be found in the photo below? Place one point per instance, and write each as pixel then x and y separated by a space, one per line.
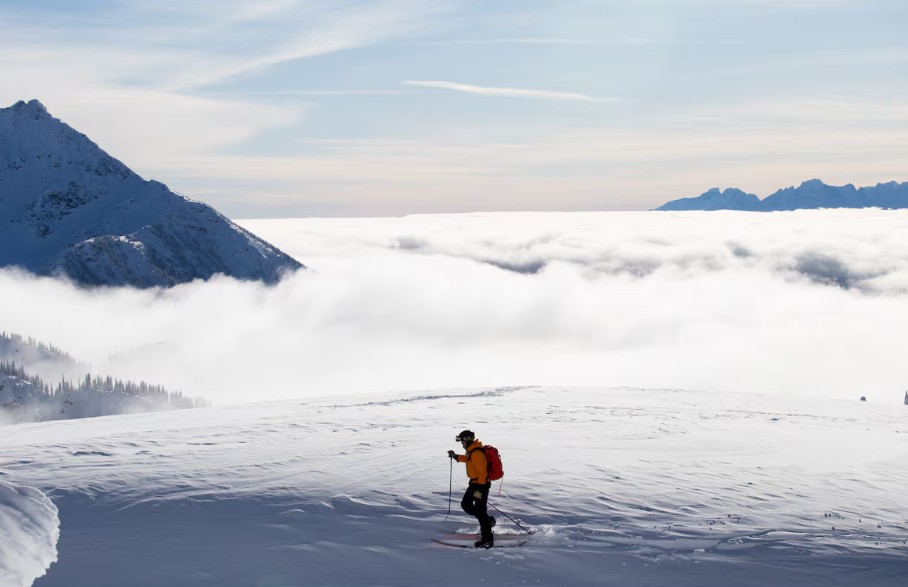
pixel 476 498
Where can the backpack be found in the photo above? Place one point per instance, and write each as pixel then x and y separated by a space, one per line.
pixel 496 471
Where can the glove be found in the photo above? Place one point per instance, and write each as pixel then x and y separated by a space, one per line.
pixel 477 494
pixel 452 454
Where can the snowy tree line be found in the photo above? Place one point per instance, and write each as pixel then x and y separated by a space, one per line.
pixel 27 398
pixel 39 358
pixel 41 347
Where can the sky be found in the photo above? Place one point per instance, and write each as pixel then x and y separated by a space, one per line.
pixel 288 108
pixel 808 303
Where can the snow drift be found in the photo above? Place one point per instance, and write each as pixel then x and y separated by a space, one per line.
pixel 29 527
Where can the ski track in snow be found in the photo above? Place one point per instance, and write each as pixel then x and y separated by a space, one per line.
pixel 623 487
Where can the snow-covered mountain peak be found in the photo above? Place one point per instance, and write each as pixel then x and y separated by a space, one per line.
pixel 32 109
pixel 32 118
pixel 32 138
pixel 68 207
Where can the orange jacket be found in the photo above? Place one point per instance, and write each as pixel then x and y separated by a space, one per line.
pixel 477 465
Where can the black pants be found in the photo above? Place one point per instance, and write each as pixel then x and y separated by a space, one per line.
pixel 477 507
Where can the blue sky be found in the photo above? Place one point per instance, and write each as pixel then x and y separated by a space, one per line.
pixel 298 108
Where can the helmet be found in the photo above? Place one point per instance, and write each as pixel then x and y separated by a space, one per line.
pixel 465 435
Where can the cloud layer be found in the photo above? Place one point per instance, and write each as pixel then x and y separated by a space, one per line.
pixel 808 302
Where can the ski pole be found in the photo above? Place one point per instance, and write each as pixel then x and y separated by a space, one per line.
pixel 510 518
pixel 450 487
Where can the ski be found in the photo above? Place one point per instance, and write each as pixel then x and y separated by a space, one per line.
pixel 475 537
pixel 460 542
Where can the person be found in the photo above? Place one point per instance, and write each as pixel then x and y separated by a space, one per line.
pixel 476 498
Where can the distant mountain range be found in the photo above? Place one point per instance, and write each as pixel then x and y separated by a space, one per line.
pixel 68 208
pixel 811 194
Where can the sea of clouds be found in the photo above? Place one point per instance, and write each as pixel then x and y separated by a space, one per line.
pixel 805 302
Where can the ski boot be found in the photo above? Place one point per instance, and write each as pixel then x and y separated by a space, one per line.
pixel 484 543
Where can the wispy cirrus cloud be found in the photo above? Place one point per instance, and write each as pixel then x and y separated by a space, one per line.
pixel 148 67
pixel 181 48
pixel 506 92
pixel 581 42
pixel 320 32
pixel 325 93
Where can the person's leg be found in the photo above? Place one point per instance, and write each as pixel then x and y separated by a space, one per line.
pixel 467 502
pixel 481 513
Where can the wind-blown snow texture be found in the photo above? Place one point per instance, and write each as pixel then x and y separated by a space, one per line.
pixel 811 194
pixel 29 529
pixel 68 207
pixel 624 487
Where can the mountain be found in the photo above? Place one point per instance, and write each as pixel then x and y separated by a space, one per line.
pixel 716 199
pixel 811 194
pixel 68 208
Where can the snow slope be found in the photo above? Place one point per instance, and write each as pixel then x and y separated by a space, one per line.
pixel 68 207
pixel 623 486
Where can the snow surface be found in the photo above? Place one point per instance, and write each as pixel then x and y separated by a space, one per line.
pixel 623 487
pixel 29 528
